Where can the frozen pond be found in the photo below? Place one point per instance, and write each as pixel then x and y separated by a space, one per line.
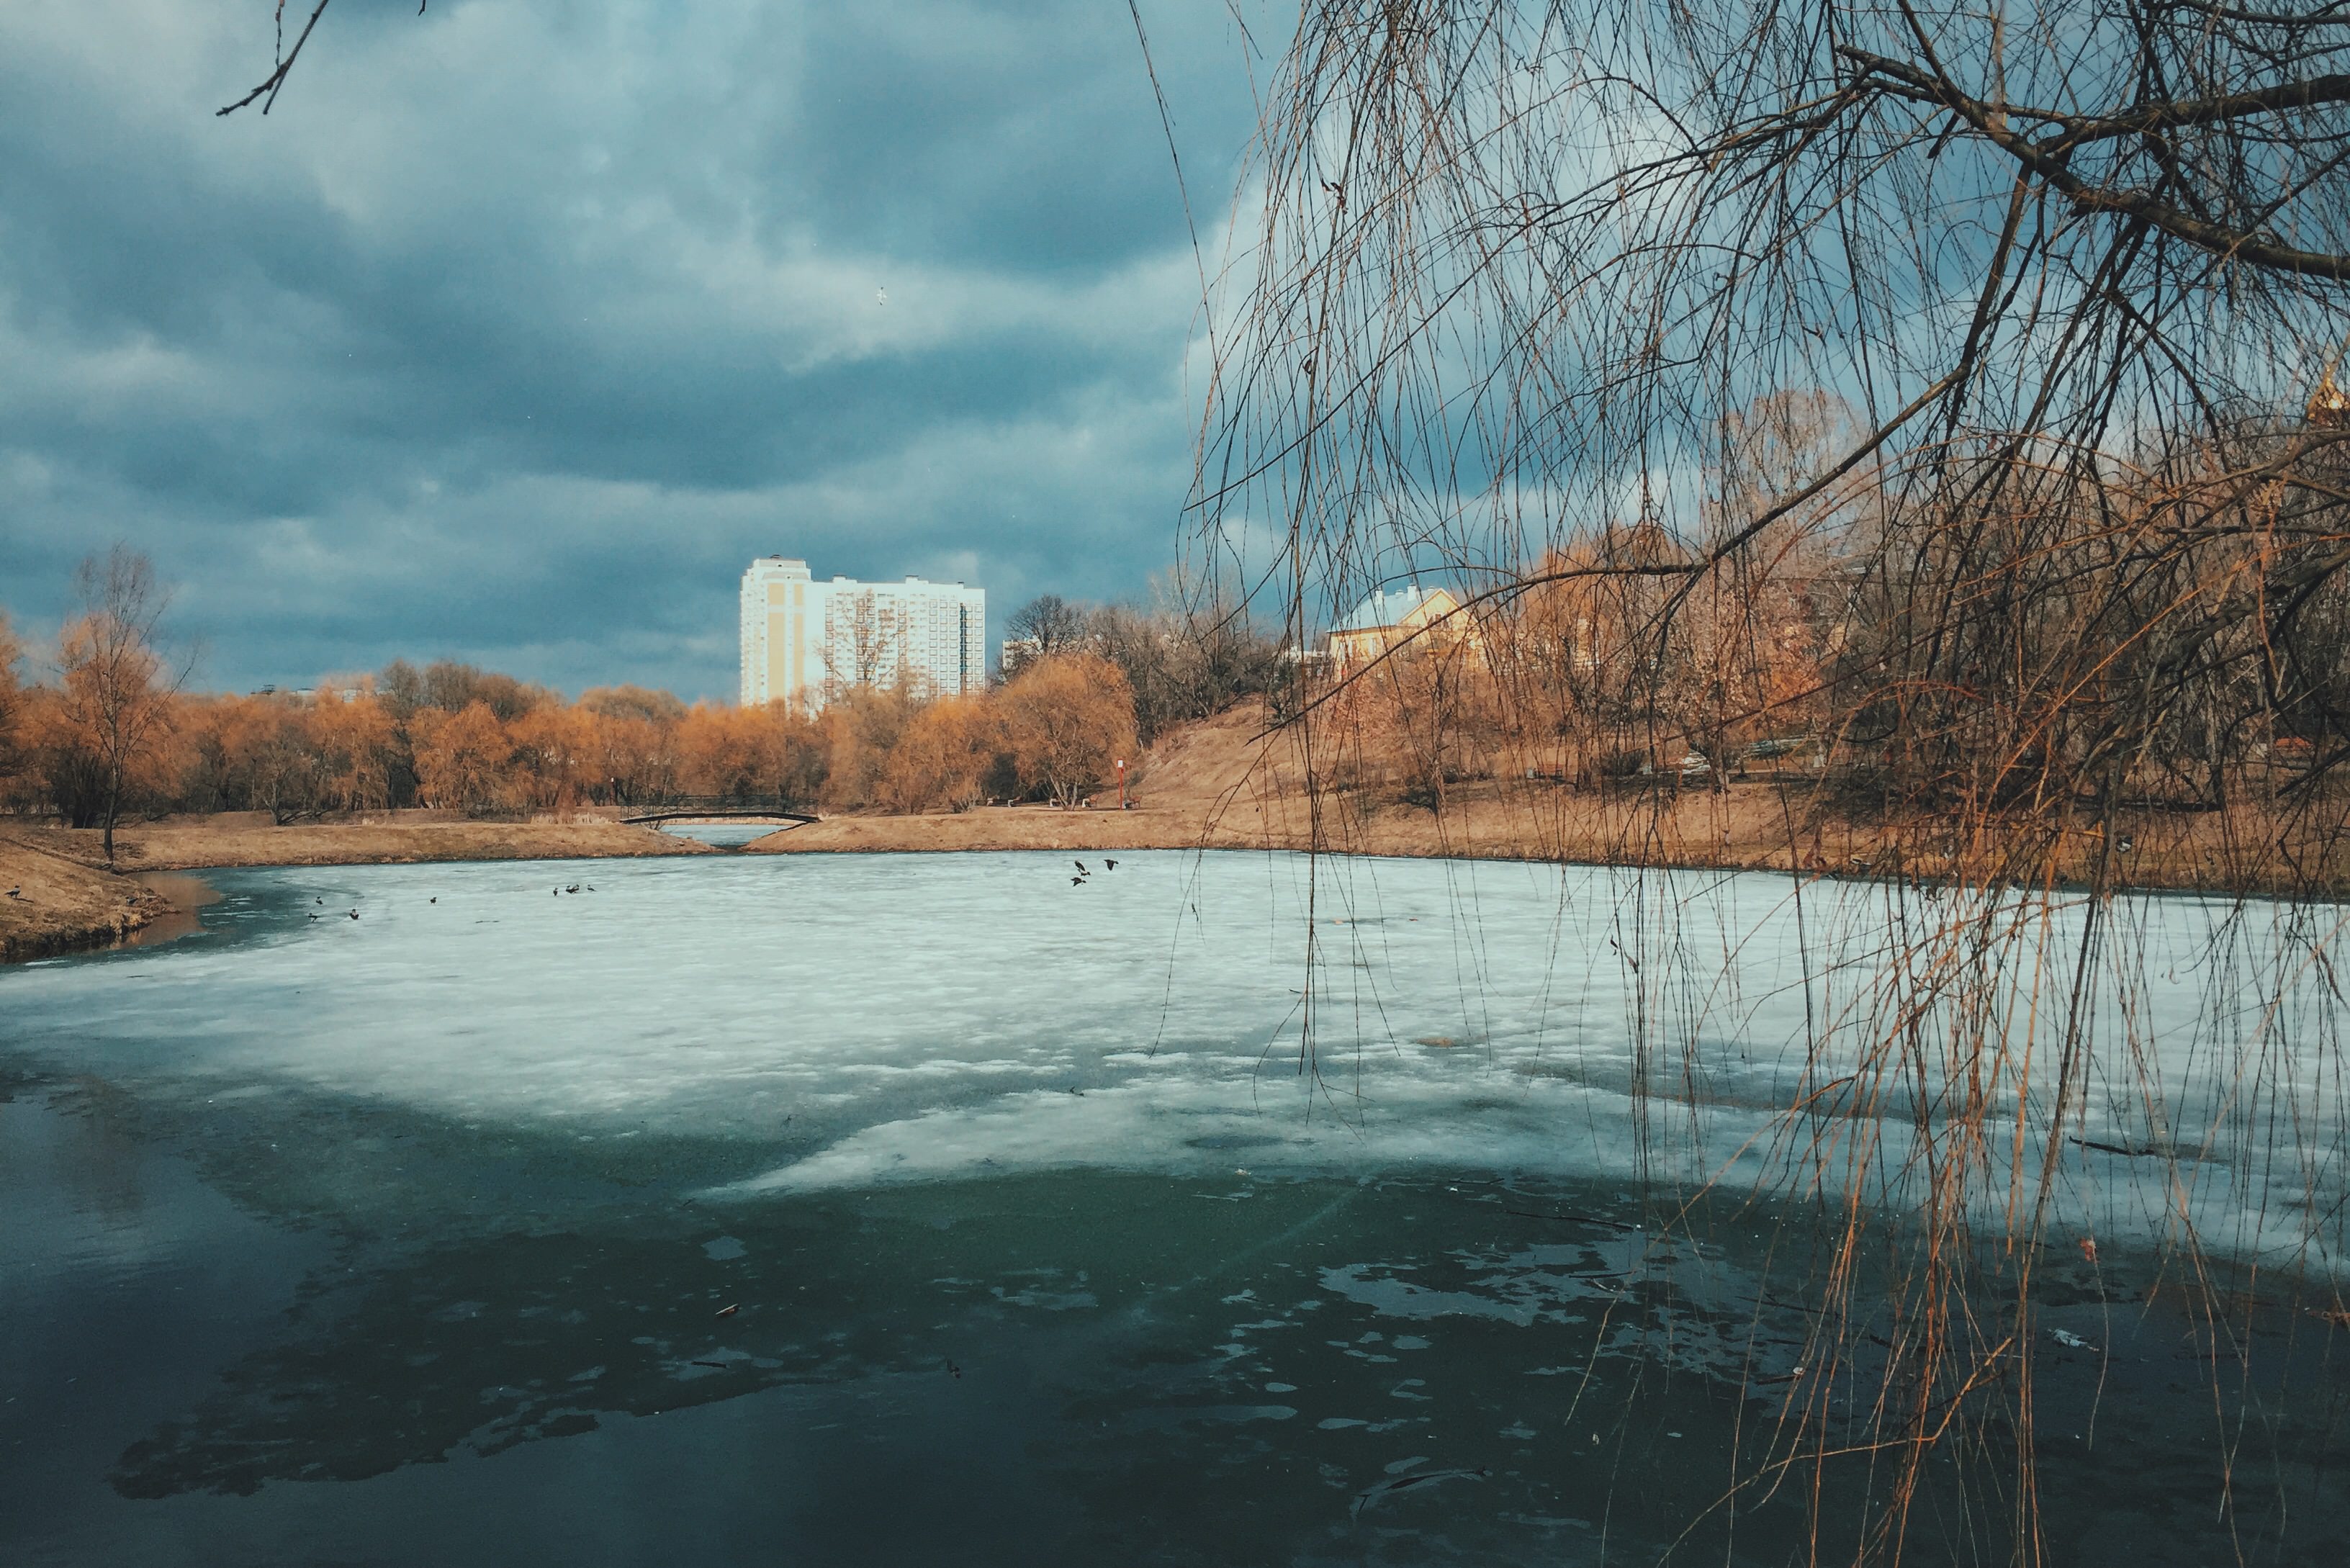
pixel 1042 1246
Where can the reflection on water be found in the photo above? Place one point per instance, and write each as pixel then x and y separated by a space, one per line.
pixel 324 1278
pixel 188 898
pixel 724 834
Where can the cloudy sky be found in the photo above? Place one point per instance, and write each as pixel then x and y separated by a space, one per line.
pixel 518 328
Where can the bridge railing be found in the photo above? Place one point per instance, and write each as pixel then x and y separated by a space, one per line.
pixel 729 811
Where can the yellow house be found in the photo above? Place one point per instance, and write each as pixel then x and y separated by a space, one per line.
pixel 2328 408
pixel 1429 618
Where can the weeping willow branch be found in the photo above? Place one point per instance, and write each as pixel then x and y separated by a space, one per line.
pixel 1939 394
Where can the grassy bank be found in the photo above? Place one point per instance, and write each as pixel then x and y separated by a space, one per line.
pixel 389 838
pixel 53 904
pixel 1224 784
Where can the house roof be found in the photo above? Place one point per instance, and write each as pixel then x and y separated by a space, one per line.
pixel 1386 608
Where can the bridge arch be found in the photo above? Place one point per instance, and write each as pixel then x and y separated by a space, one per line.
pixel 657 815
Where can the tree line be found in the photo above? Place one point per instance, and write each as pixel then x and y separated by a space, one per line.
pixel 113 735
pixel 2026 657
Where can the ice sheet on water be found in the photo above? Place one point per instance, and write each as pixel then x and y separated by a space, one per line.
pixel 913 1017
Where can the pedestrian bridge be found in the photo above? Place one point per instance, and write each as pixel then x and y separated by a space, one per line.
pixel 688 814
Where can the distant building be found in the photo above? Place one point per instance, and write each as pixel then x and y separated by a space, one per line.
pixel 1017 652
pixel 312 693
pixel 1390 617
pixel 805 642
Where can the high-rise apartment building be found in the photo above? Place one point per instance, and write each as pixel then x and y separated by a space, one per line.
pixel 803 640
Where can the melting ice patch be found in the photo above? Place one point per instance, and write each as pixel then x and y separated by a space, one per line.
pixel 890 1018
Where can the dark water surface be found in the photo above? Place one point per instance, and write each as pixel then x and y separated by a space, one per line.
pixel 363 1280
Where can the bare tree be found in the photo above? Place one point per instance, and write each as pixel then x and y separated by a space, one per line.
pixel 283 64
pixel 117 690
pixel 1046 626
pixel 865 641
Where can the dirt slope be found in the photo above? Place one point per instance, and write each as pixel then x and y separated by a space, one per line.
pixel 58 905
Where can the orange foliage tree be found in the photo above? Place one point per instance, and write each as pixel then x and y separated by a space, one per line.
pixel 634 742
pixel 115 701
pixel 356 743
pixel 860 730
pixel 717 752
pixel 555 755
pixel 943 756
pixel 273 760
pixel 464 761
pixel 1066 718
pixel 11 698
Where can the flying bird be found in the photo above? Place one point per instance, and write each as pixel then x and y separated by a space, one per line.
pixel 880 296
pixel 1081 867
pixel 1076 881
pixel 17 892
pixel 1110 864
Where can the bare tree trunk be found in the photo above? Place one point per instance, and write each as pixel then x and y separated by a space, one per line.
pixel 116 690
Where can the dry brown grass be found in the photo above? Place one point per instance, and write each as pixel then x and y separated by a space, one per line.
pixel 60 905
pixel 1224 784
pixel 243 838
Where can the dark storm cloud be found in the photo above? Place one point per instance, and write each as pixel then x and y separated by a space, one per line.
pixel 519 327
